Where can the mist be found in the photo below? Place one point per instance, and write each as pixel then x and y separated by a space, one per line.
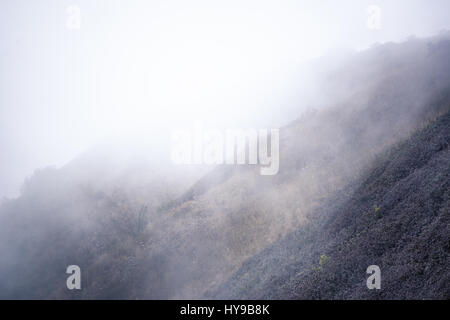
pixel 130 70
pixel 91 93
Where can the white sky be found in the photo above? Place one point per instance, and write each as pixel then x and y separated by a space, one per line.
pixel 140 67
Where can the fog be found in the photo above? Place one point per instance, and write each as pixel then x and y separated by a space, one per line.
pixel 128 73
pixel 92 92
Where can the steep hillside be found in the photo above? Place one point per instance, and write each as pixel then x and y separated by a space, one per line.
pixel 397 218
pixel 157 240
pixel 233 213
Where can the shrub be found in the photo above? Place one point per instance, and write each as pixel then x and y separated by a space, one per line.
pixel 323 260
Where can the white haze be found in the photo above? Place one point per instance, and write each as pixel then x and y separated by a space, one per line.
pixel 137 69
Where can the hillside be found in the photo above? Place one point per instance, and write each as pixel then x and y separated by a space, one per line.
pixel 359 182
pixel 397 218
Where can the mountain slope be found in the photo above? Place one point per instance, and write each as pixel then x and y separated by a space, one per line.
pixel 139 235
pixel 398 218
